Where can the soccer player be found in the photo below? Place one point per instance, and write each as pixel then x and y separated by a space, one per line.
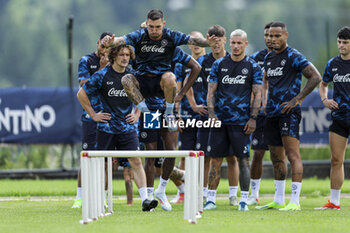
pixel 206 61
pixel 116 122
pixel 338 72
pixel 88 65
pixel 234 80
pixel 154 47
pixel 258 144
pixel 284 67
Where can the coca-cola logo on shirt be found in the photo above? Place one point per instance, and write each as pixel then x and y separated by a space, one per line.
pixel 117 93
pixel 341 78
pixel 152 49
pixel 239 79
pixel 275 72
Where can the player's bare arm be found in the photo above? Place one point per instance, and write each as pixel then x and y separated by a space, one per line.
pixel 212 87
pixel 85 103
pixel 195 69
pixel 250 126
pixel 112 41
pixel 328 103
pixel 202 110
pixel 313 79
pixel 132 88
pixel 264 93
pixel 202 42
pixel 132 118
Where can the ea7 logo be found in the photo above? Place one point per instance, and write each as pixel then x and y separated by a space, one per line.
pixel 224 70
pixel 334 69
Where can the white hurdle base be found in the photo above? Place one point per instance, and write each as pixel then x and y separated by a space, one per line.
pixel 93 181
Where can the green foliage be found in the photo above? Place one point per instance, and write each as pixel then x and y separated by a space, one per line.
pixel 33 42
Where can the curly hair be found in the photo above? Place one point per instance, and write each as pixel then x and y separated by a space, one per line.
pixel 115 50
pixel 344 33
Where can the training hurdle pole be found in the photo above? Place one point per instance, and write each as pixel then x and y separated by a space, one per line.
pixel 92 171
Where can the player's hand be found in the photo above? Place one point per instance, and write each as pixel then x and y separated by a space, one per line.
pixel 103 61
pixel 288 106
pixel 211 40
pixel 331 104
pixel 202 110
pixel 103 117
pixel 132 118
pixel 250 126
pixel 107 41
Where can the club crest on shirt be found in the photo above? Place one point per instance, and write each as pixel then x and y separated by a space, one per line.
pixel 245 71
pixel 283 62
pixel 164 43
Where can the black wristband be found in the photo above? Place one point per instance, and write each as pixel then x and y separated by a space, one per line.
pixel 253 117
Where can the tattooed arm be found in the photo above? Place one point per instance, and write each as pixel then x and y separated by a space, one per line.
pixel 202 42
pixel 313 78
pixel 112 41
pixel 211 99
pixel 254 110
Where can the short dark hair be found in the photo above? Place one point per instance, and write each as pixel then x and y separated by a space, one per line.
pixel 278 24
pixel 105 34
pixel 115 50
pixel 344 33
pixel 217 30
pixel 155 14
pixel 268 25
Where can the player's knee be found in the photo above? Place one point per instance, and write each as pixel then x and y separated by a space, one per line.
pixel 135 163
pixel 337 161
pixel 169 79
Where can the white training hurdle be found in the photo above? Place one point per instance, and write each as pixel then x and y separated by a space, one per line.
pixel 93 181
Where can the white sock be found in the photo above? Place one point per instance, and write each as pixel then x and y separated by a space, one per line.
pixel 78 196
pixel 232 191
pixel 150 192
pixel 296 188
pixel 280 186
pixel 183 176
pixel 205 192
pixel 212 195
pixel 162 185
pixel 143 193
pixel 335 196
pixel 181 188
pixel 244 196
pixel 254 187
pixel 169 110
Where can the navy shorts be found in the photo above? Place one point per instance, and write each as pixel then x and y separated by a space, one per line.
pixel 89 135
pixel 258 142
pixel 188 139
pixel 158 162
pixel 221 139
pixel 341 127
pixel 149 85
pixel 202 140
pixel 107 141
pixel 277 127
pixel 148 135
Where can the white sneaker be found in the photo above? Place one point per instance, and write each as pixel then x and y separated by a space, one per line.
pixel 233 200
pixel 243 206
pixel 163 201
pixel 253 201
